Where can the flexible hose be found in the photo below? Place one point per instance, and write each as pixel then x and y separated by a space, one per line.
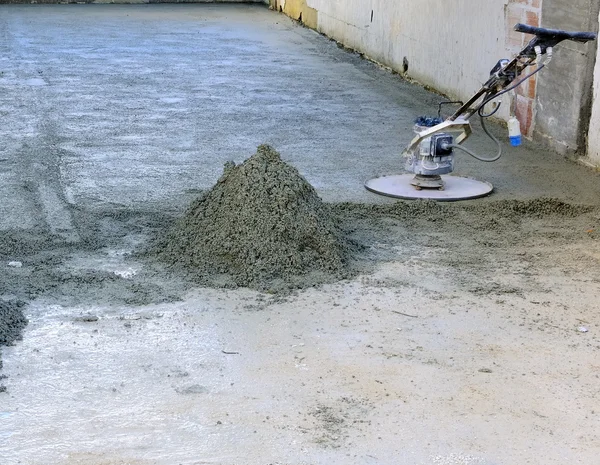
pixel 473 154
pixel 495 96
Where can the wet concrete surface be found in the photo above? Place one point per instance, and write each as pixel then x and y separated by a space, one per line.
pixel 461 344
pixel 134 105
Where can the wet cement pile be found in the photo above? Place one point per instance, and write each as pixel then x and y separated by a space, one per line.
pixel 262 226
pixel 12 322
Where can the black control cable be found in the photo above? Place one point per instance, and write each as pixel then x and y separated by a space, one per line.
pixel 482 117
pixel 473 154
pixel 513 87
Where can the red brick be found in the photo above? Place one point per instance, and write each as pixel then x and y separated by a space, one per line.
pixel 514 15
pixel 523 89
pixel 532 18
pixel 532 87
pixel 514 40
pixel 524 113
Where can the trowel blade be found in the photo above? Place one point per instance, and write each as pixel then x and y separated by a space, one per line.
pixel 455 188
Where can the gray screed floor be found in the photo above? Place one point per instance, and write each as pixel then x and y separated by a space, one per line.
pixel 470 337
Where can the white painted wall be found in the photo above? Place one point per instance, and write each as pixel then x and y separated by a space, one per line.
pixel 594 132
pixel 450 45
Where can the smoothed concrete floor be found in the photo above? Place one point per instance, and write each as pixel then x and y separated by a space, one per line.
pixel 133 105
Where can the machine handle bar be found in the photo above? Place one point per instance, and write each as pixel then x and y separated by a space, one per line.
pixel 544 39
pixel 555 34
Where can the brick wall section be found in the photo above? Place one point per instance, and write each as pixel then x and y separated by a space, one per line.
pixel 527 12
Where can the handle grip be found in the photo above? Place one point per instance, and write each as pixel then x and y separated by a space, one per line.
pixel 555 34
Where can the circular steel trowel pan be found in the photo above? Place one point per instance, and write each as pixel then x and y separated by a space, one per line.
pixel 455 188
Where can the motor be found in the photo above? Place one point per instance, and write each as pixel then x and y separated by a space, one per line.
pixel 433 157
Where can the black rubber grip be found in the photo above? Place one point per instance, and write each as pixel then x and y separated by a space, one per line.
pixel 555 34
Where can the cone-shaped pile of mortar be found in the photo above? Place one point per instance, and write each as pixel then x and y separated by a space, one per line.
pixel 262 222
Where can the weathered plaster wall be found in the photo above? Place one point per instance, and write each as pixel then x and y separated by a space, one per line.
pixel 565 86
pixel 451 46
pixel 594 129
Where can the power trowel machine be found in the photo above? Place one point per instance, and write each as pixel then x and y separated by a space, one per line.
pixel 431 153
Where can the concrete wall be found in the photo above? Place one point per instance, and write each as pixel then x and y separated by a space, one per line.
pixel 564 93
pixel 594 129
pixel 450 46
